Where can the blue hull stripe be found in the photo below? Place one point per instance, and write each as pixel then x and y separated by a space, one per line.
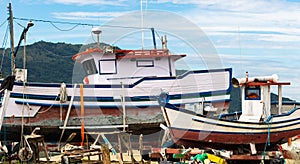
pixel 86 106
pixel 131 85
pixel 107 99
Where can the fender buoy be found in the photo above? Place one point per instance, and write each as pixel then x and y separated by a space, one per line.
pixel 63 96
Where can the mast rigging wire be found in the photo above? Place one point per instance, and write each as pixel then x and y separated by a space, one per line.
pixel 3 23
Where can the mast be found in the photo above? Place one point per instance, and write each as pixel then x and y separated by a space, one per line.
pixel 11 28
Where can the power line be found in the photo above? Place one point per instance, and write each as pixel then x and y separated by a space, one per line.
pixel 59 22
pixel 76 24
pixel 70 29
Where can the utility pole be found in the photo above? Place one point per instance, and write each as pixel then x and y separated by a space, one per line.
pixel 12 49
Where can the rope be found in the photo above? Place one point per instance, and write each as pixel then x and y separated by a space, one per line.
pixel 267 142
pixel 46 110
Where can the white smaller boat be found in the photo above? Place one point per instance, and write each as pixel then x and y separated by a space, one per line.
pixel 255 125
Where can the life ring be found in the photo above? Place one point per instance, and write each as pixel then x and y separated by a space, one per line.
pixel 25 154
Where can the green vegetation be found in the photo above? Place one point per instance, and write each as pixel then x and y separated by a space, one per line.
pixel 45 61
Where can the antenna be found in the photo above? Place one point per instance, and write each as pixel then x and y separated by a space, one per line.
pixel 97 31
pixel 142 24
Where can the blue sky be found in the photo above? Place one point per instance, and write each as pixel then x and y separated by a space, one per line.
pixel 259 36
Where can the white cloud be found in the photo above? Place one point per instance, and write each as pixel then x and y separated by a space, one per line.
pixel 253 6
pixel 89 2
pixel 104 16
pixel 279 38
pixel 261 23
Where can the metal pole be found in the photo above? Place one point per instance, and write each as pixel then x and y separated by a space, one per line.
pixel 153 37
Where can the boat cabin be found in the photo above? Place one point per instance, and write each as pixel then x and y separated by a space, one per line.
pixel 256 97
pixel 110 66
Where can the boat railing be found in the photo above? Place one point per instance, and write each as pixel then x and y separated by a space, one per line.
pixel 281 115
pixel 142 53
pixel 230 116
pixel 129 78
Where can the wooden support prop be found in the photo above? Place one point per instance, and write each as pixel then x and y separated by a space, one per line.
pixel 67 116
pixel 105 154
pixel 141 147
pixel 120 147
pixel 45 150
pixel 82 114
pixel 111 148
pixel 253 149
pixel 289 141
pixel 130 150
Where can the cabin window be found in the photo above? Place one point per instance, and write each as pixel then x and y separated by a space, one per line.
pixel 89 67
pixel 144 63
pixel 252 93
pixel 108 66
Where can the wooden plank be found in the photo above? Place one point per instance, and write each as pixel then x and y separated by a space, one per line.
pixel 247 157
pixel 177 151
pixel 105 154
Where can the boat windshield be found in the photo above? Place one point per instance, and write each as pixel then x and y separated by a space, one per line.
pixel 252 93
pixel 89 67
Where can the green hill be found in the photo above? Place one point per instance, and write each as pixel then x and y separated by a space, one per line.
pixel 45 61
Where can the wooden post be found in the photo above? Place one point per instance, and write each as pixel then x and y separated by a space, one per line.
pixel 67 116
pixel 289 141
pixel 253 149
pixel 120 147
pixel 123 107
pixel 105 154
pixel 130 150
pixel 45 150
pixel 141 147
pixel 82 114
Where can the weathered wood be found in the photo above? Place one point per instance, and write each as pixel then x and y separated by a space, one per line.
pixel 120 147
pixel 133 161
pixel 105 154
pixel 141 148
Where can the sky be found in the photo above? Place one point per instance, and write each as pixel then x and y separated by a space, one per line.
pixel 258 36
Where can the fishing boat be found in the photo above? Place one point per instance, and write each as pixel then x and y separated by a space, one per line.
pixel 255 125
pixel 119 90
